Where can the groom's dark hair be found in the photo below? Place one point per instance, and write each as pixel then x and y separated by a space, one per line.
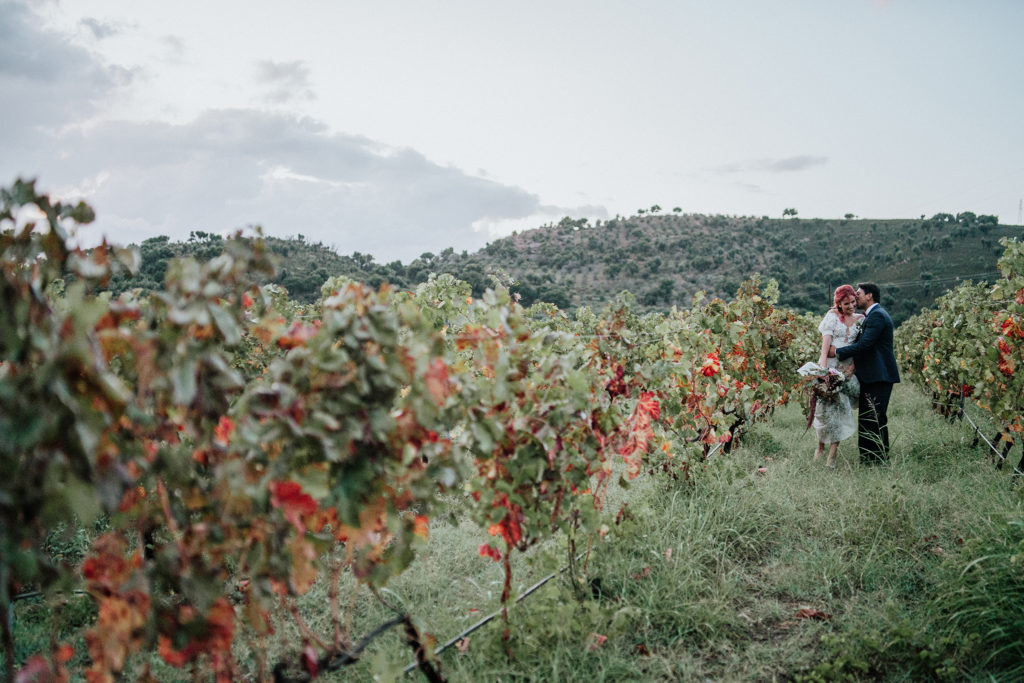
pixel 872 289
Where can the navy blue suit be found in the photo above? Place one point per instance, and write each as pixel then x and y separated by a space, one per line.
pixel 875 367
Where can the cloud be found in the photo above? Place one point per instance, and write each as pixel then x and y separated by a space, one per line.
pixel 174 46
pixel 797 163
pixel 231 168
pixel 32 55
pixel 99 29
pixel 495 227
pixel 783 165
pixel 287 81
pixel 45 82
pixel 751 188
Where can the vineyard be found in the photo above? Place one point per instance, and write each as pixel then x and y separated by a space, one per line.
pixel 968 350
pixel 231 447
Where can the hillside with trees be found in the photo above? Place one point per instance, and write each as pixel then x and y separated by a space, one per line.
pixel 664 259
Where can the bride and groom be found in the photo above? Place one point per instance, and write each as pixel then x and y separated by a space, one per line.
pixel 860 345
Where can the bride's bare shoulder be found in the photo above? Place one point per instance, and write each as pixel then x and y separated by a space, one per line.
pixel 857 317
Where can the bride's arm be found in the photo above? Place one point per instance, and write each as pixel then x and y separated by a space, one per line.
pixel 826 342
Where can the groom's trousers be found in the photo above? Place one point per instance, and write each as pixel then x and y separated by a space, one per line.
pixel 873 422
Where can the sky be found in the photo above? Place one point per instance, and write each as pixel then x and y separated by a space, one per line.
pixel 398 127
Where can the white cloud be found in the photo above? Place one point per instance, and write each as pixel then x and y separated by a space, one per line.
pixel 229 168
pixel 99 29
pixel 285 81
pixel 285 174
pixel 232 168
pixel 496 227
pixel 772 165
pixel 174 48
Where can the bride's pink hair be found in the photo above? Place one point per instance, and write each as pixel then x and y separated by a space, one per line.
pixel 842 292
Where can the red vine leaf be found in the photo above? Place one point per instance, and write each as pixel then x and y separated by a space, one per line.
pixel 294 504
pixel 632 451
pixel 436 379
pixel 487 550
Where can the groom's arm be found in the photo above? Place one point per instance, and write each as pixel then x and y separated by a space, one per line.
pixel 869 334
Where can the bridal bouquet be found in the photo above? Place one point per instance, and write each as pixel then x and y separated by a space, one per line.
pixel 823 383
pixel 826 384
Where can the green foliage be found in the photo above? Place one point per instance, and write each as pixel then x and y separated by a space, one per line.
pixel 238 441
pixel 794 573
pixel 244 448
pixel 574 263
pixel 57 399
pixel 971 345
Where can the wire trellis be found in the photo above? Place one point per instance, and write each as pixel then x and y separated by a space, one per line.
pixel 490 617
pixel 999 454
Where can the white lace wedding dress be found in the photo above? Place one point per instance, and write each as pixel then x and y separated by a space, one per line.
pixel 834 419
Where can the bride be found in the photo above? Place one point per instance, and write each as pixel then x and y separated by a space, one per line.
pixel 833 419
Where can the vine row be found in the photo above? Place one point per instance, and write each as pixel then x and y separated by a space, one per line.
pixel 969 348
pixel 243 447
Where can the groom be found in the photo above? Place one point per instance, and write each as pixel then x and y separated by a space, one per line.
pixel 875 366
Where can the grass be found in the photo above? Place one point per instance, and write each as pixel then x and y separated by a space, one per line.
pixel 906 572
pixel 799 573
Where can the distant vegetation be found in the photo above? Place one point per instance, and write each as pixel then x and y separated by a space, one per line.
pixel 664 259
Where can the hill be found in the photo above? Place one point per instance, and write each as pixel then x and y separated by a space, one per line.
pixel 665 259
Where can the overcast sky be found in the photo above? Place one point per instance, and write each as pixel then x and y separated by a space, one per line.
pixel 399 127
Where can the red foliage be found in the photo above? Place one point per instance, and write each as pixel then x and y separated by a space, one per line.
pixel 712 365
pixel 223 431
pixel 108 568
pixel 617 386
pixel 436 379
pixel 294 504
pixel 421 526
pixel 509 528
pixel 1012 328
pixel 490 551
pixel 216 631
pixel 1006 362
pixel 297 335
pixel 632 451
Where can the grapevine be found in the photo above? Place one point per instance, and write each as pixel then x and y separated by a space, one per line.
pixel 971 346
pixel 243 447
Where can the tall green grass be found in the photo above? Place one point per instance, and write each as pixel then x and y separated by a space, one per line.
pixel 904 572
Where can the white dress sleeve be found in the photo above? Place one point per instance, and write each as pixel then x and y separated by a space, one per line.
pixel 828 324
